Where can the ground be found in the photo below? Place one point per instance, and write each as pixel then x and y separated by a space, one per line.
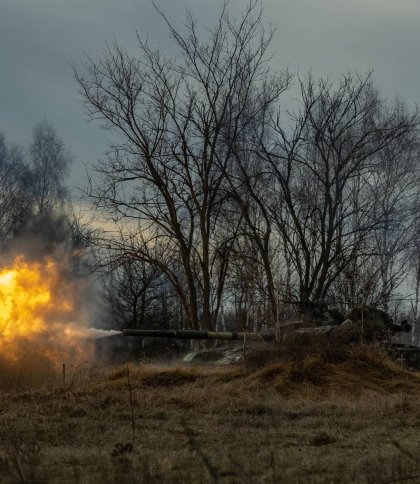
pixel 311 420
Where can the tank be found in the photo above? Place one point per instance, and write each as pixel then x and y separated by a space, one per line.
pixel 367 325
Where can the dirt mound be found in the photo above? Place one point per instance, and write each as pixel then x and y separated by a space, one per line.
pixel 358 369
pixel 311 372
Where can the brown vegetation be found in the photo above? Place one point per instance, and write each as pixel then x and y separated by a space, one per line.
pixel 302 420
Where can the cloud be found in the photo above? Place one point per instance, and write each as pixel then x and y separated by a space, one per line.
pixel 39 38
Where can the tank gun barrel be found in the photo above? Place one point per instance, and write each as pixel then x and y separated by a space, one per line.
pixel 197 334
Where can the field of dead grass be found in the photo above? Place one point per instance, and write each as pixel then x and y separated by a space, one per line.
pixel 355 419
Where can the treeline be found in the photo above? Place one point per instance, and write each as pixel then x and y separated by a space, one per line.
pixel 233 190
pixel 33 192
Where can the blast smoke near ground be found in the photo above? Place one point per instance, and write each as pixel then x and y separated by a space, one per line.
pixel 58 331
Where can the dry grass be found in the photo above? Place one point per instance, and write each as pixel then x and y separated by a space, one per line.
pixel 310 419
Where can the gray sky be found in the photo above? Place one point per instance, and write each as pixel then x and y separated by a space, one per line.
pixel 39 38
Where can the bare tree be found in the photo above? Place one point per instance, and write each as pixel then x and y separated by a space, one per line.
pixel 14 200
pixel 251 189
pixel 394 182
pixel 49 161
pixel 415 268
pixel 323 168
pixel 377 273
pixel 133 291
pixel 178 120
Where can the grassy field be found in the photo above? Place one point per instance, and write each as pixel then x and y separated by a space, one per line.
pixel 310 420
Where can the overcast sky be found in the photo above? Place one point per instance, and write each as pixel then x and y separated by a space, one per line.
pixel 39 38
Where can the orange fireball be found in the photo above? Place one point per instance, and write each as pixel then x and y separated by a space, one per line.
pixel 37 304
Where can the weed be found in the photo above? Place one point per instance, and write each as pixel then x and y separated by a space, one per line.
pixel 19 461
pixel 297 420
